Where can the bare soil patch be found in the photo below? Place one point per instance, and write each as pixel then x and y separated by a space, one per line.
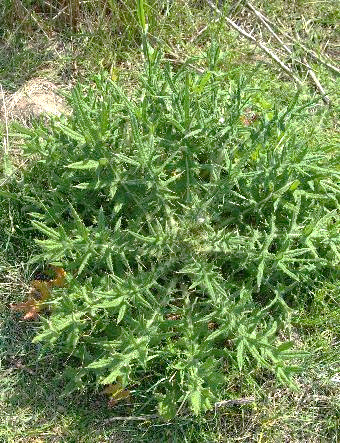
pixel 36 97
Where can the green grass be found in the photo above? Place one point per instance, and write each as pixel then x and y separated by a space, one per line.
pixel 30 388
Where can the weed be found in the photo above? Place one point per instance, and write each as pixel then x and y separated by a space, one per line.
pixel 171 214
pixel 169 194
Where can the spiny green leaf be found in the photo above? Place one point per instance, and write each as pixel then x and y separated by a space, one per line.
pixel 84 164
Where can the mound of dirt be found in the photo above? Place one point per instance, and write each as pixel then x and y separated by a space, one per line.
pixel 36 97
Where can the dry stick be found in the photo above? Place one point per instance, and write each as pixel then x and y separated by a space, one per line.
pixel 5 112
pixel 31 13
pixel 199 33
pixel 235 402
pixel 131 418
pixel 314 55
pixel 258 43
pixel 310 52
pixel 60 12
pixel 266 24
pixel 193 38
pixel 219 404
pixel 310 71
pixel 6 139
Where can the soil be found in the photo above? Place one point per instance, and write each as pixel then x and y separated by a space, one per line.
pixel 36 97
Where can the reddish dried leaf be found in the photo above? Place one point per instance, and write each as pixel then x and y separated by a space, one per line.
pixel 30 307
pixel 39 292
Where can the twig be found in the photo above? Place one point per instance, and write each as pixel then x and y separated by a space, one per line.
pixel 234 402
pixel 6 139
pixel 31 13
pixel 194 37
pixel 258 43
pixel 314 55
pixel 131 418
pixel 310 52
pixel 266 24
pixel 219 404
pixel 199 33
pixel 60 12
pixel 310 71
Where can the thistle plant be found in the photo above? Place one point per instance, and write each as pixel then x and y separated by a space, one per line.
pixel 186 234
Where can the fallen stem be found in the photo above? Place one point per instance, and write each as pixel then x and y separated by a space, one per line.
pixel 263 20
pixel 219 404
pixel 131 418
pixel 310 52
pixel 199 33
pixel 6 138
pixel 258 43
pixel 234 402
pixel 313 76
pixel 310 71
